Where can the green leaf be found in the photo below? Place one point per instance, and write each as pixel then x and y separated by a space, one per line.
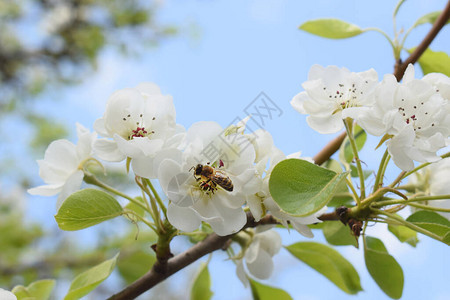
pixel 338 234
pixel 397 7
pixel 331 28
pixel 446 238
pixel 87 281
pixel 383 268
pixel 429 18
pixel 136 208
pixel 301 188
pixel 431 221
pixel 404 234
pixel 329 263
pixel 133 265
pixel 38 290
pixel 87 208
pixel 264 292
pixel 201 289
pixel 434 61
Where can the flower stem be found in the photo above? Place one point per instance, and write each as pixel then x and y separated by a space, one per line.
pixel 428 207
pixel 158 199
pixel 418 199
pixel 385 35
pixel 348 127
pixel 408 224
pixel 352 188
pixel 144 220
pixel 154 208
pixel 381 170
pixel 91 179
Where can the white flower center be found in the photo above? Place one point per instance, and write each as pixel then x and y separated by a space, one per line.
pixel 137 127
pixel 345 95
pixel 415 113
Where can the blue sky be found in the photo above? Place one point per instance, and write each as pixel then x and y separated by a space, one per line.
pixel 229 52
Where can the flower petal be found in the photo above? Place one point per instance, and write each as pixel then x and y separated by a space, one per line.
pixel 240 272
pixel 262 266
pixel 46 190
pixel 183 218
pixel 72 185
pixel 107 150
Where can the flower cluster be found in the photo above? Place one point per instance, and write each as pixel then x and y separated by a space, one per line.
pixel 209 174
pixel 414 115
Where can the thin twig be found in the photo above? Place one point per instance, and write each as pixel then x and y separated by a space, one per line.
pixel 400 66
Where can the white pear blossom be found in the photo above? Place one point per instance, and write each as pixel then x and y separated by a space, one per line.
pixel 413 114
pixel 197 197
pixel 433 181
pixel 138 123
pixel 333 94
pixel 7 295
pixel 258 256
pixel 62 166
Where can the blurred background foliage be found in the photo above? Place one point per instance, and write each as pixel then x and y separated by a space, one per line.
pixel 45 45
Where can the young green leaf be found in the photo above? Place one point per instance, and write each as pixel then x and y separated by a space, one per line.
pixel 87 281
pixel 136 208
pixel 201 289
pixel 338 234
pixel 404 234
pixel 383 268
pixel 434 61
pixel 329 263
pixel 265 292
pixel 429 18
pixel 431 221
pixel 38 290
pixel 301 188
pixel 331 28
pixel 87 208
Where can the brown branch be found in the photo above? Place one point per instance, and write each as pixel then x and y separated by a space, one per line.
pixel 400 66
pixel 332 216
pixel 329 149
pixel 212 243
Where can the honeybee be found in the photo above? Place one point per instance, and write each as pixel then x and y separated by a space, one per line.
pixel 211 178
